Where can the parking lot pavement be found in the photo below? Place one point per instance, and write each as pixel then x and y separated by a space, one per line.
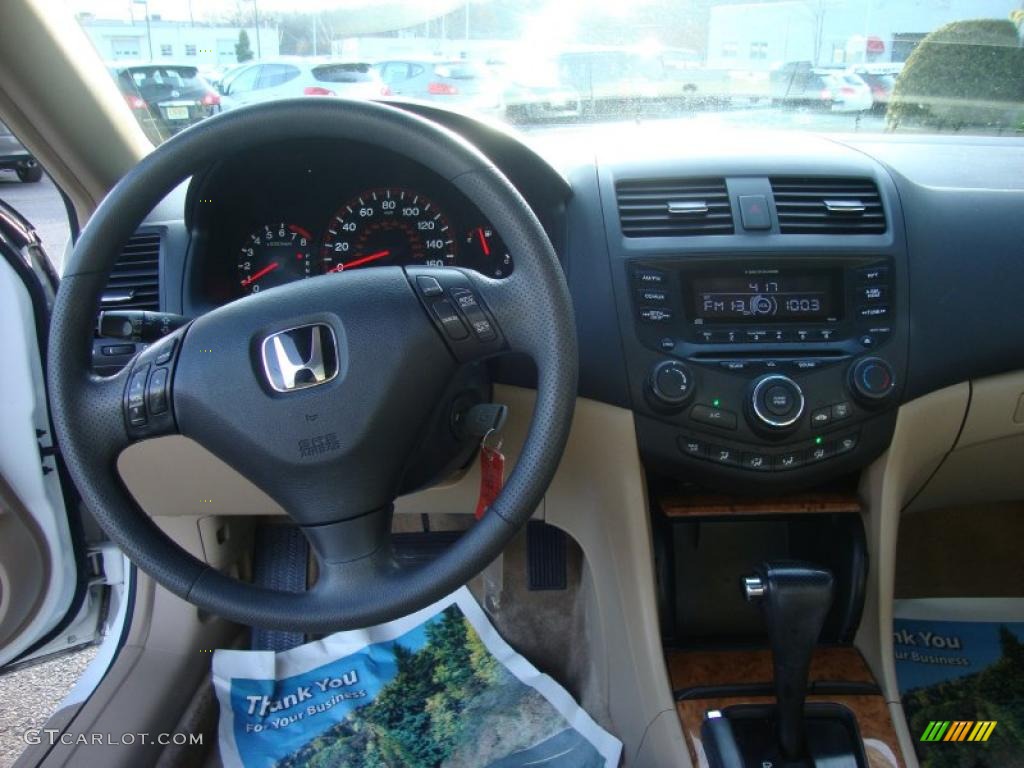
pixel 31 694
pixel 42 205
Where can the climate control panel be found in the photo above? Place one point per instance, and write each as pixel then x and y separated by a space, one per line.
pixel 763 370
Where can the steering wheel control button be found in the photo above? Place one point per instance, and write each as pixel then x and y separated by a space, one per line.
pixel 872 380
pixel 137 397
pixel 450 320
pixel 715 417
pixel 429 286
pixel 156 392
pixel 777 402
pixel 164 355
pixel 470 307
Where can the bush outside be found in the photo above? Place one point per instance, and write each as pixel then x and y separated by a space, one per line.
pixel 967 75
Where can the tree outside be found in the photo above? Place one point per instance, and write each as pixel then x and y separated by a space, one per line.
pixel 243 50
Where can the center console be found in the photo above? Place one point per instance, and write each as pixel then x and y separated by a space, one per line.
pixel 765 367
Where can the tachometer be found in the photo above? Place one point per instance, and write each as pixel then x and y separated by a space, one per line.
pixel 275 255
pixel 387 226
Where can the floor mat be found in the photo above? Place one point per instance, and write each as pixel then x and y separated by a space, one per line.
pixel 960 665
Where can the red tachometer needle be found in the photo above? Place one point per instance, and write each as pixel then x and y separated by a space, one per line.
pixel 360 261
pixel 483 241
pixel 265 271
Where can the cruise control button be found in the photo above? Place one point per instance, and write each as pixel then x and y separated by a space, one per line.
pixel 450 320
pixel 789 460
pixel 716 417
pixel 166 353
pixel 759 462
pixel 429 286
pixel 846 444
pixel 655 315
pixel 692 447
pixel 821 417
pixel 722 455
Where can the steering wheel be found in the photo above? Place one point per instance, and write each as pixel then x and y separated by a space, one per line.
pixel 317 391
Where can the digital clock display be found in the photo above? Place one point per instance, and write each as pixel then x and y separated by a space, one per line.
pixel 765 298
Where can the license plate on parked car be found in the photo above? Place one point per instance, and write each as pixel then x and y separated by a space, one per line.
pixel 176 113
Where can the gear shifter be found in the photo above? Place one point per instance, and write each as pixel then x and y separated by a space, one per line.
pixel 795 598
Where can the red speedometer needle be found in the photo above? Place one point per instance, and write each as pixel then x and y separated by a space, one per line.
pixel 265 271
pixel 483 241
pixel 363 260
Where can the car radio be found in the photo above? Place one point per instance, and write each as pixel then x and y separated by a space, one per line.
pixel 768 364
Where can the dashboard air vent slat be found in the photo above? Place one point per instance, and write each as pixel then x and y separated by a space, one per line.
pixel 135 281
pixel 674 207
pixel 828 206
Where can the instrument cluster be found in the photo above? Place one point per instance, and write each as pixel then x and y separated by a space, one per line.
pixel 263 222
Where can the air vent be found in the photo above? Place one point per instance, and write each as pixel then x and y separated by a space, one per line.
pixel 135 281
pixel 813 206
pixel 674 207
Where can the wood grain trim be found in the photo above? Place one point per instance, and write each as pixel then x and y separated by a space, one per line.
pixel 691 669
pixel 719 505
pixel 872 713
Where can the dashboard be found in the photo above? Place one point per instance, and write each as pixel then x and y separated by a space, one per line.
pixel 259 220
pixel 763 308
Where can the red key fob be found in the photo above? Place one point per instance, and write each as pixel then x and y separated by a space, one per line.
pixel 492 477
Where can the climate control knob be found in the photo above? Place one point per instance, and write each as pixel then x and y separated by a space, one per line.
pixel 776 402
pixel 872 380
pixel 670 384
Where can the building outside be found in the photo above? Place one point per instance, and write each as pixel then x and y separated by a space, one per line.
pixel 205 45
pixel 760 36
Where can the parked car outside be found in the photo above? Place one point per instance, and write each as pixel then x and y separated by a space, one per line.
pixel 14 157
pixel 799 85
pixel 460 83
pixel 289 77
pixel 532 93
pixel 166 98
pixel 881 79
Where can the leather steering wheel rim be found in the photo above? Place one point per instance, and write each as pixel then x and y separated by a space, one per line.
pixel 532 308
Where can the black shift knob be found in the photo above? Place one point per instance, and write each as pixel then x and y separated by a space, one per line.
pixel 795 598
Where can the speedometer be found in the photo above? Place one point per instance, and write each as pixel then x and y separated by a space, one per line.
pixel 387 226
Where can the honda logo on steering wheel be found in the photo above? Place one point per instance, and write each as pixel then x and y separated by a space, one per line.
pixel 299 358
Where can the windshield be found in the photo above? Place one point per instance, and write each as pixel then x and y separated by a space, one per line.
pixel 865 66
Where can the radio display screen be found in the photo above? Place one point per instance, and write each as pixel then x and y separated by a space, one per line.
pixel 769 297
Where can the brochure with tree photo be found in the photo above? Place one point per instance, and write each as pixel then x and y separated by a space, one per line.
pixel 437 688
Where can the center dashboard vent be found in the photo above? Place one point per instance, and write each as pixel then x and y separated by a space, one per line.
pixel 674 207
pixel 828 206
pixel 135 280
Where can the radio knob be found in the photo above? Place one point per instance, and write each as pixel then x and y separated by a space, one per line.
pixel 777 402
pixel 872 380
pixel 670 384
